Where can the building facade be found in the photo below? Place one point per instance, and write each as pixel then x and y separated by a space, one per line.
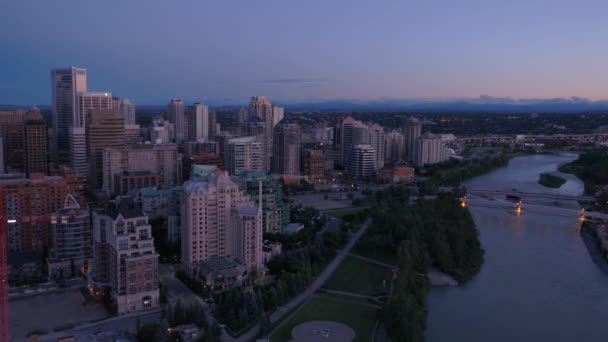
pixel 71 252
pixel 29 203
pixel 361 162
pixel 218 220
pixel 178 119
pixel 198 122
pixel 105 129
pixel 412 129
pixel 35 144
pixel 266 191
pixel 242 154
pixel 430 149
pixel 312 163
pixel 286 148
pixel 125 259
pixel 65 85
pixel 156 159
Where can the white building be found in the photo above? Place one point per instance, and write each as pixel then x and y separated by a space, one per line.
pixel 219 220
pixel 278 113
pixel 242 154
pixel 430 149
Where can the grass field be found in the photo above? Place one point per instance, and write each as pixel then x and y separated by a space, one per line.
pixel 357 314
pixel 382 256
pixel 359 276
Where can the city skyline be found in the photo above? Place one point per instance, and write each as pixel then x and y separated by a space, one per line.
pixel 308 52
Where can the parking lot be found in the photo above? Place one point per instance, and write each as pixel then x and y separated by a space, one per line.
pixel 48 312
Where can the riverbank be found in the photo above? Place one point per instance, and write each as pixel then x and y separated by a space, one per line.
pixel 597 246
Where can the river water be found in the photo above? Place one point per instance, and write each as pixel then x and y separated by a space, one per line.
pixel 538 282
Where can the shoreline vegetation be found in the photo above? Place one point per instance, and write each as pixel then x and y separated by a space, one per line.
pixel 598 250
pixel 551 181
pixel 591 167
pixel 436 237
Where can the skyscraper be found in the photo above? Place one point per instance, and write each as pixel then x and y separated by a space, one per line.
pixel 261 107
pixel 376 140
pixel 254 126
pixel 242 154
pixel 394 147
pixel 266 191
pixel 128 111
pixel 35 144
pixel 177 117
pixel 105 128
pixel 65 86
pixel 198 122
pixel 412 128
pixel 286 148
pixel 219 220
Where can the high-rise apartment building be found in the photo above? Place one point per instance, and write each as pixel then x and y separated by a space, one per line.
pixel 65 86
pixel 361 162
pixel 198 122
pixel 242 154
pixel 260 106
pixel 71 250
pixel 162 132
pixel 286 148
pixel 266 191
pixel 29 202
pixel 128 111
pixel 105 129
pixel 394 146
pixel 154 159
pixel 254 126
pixel 430 149
pixel 124 257
pixel 132 135
pixel 412 128
pixel 36 151
pixel 214 126
pixel 178 118
pixel 376 140
pixel 219 220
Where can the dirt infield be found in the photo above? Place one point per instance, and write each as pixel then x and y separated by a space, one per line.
pixel 322 331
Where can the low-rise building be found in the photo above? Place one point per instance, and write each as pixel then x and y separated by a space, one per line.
pixel 154 202
pixel 398 171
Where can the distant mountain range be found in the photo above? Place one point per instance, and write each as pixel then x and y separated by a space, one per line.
pixel 484 103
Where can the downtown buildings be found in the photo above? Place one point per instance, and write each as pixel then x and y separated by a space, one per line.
pixel 430 149
pixel 65 86
pixel 286 148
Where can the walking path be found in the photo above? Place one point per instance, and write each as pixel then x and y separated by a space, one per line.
pixel 314 287
pixel 373 261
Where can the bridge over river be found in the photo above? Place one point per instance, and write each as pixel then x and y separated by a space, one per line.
pixel 524 195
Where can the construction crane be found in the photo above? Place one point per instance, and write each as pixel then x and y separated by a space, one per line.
pixel 4 222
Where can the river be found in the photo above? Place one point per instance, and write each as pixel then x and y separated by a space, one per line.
pixel 538 282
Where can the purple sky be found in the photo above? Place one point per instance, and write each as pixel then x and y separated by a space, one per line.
pixel 150 51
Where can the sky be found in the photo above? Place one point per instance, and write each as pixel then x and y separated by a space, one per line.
pixel 309 50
